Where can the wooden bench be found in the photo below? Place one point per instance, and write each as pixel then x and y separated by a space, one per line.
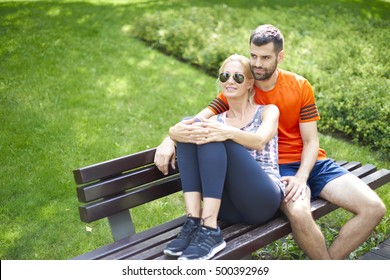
pixel 109 189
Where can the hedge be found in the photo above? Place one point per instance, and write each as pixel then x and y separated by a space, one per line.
pixel 341 51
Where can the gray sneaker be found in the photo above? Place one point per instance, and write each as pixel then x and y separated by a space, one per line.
pixel 177 246
pixel 204 245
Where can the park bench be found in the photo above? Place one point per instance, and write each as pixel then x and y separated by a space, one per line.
pixel 109 189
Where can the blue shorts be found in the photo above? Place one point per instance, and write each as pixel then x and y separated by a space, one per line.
pixel 322 173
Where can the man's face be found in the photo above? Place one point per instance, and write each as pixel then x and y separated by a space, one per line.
pixel 263 61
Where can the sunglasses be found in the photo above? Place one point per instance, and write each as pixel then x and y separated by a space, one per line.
pixel 238 78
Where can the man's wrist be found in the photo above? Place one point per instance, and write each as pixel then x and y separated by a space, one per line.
pixel 302 175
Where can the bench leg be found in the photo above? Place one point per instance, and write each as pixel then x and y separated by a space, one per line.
pixel 121 225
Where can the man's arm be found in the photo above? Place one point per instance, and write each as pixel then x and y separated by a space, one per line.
pixel 297 184
pixel 218 132
pixel 166 152
pixel 182 131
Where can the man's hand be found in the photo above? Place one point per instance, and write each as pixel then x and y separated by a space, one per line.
pixel 295 188
pixel 212 131
pixel 165 153
pixel 181 132
pixel 188 131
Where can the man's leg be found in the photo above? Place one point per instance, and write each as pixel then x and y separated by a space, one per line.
pixel 352 194
pixel 305 231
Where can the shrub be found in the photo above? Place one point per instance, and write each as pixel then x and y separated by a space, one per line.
pixel 340 49
pixel 195 35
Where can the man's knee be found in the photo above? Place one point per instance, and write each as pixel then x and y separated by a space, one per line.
pixel 352 194
pixel 376 209
pixel 297 212
pixel 372 206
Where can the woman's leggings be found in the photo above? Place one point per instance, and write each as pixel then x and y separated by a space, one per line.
pixel 226 170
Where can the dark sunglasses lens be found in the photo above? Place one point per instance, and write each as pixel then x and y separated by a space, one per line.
pixel 223 77
pixel 239 78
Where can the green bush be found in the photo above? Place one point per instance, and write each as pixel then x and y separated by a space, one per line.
pixel 346 59
pixel 361 113
pixel 194 35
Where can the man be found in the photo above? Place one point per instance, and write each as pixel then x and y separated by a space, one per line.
pixel 304 166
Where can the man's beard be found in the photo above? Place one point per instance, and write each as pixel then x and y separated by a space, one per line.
pixel 267 72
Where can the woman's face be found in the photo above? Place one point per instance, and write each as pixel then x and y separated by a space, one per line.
pixel 232 88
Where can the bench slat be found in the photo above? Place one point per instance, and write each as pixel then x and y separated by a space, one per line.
pixel 115 166
pixel 136 197
pixel 364 170
pixel 377 179
pixel 352 165
pixel 148 249
pixel 373 256
pixel 249 242
pixel 119 245
pixel 341 162
pixel 120 183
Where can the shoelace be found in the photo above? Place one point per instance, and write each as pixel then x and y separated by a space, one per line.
pixel 185 231
pixel 200 235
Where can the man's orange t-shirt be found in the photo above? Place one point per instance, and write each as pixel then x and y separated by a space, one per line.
pixel 294 97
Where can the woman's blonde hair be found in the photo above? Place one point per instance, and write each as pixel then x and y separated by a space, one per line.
pixel 245 62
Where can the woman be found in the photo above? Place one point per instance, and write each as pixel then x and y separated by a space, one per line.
pixel 233 170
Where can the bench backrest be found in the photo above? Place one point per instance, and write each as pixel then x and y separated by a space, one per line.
pixel 113 186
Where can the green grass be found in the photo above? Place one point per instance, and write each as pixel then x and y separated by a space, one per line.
pixel 75 89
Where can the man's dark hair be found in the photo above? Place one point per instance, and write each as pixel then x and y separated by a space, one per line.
pixel 265 34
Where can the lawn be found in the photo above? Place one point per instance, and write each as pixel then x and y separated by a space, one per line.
pixel 77 88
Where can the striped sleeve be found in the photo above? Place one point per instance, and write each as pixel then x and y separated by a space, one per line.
pixel 218 105
pixel 309 112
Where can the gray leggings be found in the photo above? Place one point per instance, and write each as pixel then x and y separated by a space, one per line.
pixel 225 170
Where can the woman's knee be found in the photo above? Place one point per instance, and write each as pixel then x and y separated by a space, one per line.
pixel 232 146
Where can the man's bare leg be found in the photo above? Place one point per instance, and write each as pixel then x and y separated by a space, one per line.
pixel 305 231
pixel 352 194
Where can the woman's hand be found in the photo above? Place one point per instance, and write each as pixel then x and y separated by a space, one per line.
pixel 212 131
pixel 187 132
pixel 165 154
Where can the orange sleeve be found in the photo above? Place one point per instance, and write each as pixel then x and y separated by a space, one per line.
pixel 309 111
pixel 219 104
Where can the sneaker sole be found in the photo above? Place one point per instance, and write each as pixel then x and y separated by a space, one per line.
pixel 172 253
pixel 212 253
